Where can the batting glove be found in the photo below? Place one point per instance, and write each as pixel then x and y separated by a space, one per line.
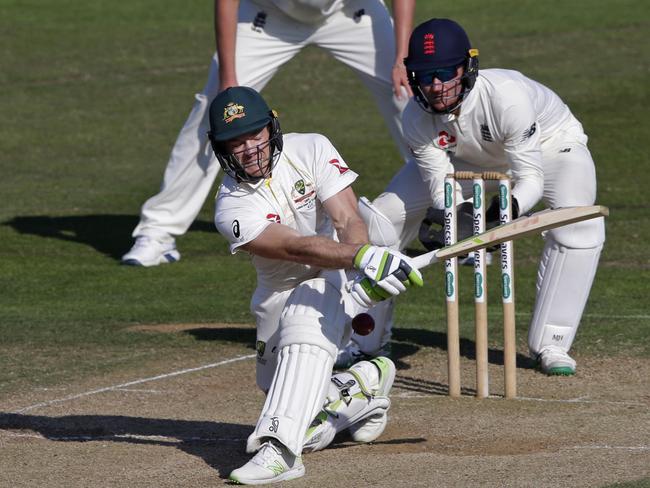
pixel 384 273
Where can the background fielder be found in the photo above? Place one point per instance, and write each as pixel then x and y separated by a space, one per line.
pixel 498 120
pixel 254 39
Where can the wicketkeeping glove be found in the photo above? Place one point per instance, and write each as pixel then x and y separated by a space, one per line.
pixel 431 233
pixel 492 213
pixel 384 273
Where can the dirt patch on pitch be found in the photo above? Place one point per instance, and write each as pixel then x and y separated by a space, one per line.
pixel 184 422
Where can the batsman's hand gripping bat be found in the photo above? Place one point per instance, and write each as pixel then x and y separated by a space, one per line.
pixel 521 227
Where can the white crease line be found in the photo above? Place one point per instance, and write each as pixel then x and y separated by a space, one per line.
pixel 153 438
pixel 582 400
pixel 178 440
pixel 606 447
pixel 408 396
pixel 130 383
pixel 140 390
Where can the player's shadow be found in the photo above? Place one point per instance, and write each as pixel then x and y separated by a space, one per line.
pixel 240 335
pixel 407 341
pixel 108 234
pixel 221 445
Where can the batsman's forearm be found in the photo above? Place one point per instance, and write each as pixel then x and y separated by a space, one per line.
pixel 322 252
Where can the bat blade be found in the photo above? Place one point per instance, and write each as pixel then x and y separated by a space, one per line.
pixel 518 228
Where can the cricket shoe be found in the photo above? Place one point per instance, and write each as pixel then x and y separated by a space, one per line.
pixel 357 401
pixel 351 354
pixel 148 251
pixel 372 427
pixel 271 464
pixel 554 361
pixel 469 259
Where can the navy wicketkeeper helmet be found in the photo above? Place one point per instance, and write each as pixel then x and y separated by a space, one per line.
pixel 436 48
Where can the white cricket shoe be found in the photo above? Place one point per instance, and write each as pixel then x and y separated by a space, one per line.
pixel 351 354
pixel 148 251
pixel 360 405
pixel 554 361
pixel 271 464
pixel 369 429
pixel 469 259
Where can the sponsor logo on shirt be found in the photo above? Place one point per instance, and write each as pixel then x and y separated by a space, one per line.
pixel 339 165
pixel 486 135
pixel 446 141
pixel 233 111
pixel 273 218
pixel 529 132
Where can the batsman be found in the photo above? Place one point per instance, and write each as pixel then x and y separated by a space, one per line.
pixel 287 201
pixel 465 119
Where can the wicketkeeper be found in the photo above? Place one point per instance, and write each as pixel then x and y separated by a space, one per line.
pixel 463 119
pixel 287 201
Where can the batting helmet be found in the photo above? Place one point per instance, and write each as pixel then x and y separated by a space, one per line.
pixel 437 48
pixel 237 111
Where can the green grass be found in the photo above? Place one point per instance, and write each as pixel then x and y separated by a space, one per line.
pixel 92 95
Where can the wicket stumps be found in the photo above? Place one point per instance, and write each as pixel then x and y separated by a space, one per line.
pixel 480 286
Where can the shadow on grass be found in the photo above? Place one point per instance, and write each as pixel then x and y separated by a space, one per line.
pixel 108 234
pixel 239 335
pixel 221 445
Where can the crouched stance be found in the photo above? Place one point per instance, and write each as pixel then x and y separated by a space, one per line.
pixel 287 201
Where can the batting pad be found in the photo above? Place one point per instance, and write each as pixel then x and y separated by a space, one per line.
pixel 299 387
pixel 564 280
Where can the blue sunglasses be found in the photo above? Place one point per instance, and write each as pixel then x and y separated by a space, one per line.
pixel 442 74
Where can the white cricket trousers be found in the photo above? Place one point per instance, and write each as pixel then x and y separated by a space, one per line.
pixel 364 43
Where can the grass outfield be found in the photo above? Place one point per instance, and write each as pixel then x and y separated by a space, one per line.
pixel 93 95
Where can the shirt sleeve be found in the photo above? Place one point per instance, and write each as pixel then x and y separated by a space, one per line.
pixel 332 172
pixel 522 145
pixel 238 222
pixel 432 160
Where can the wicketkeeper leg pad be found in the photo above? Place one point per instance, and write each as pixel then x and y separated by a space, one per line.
pixel 564 281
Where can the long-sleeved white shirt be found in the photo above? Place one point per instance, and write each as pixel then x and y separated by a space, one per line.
pixel 504 123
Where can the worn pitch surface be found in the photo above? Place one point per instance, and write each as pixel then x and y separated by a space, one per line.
pixel 184 423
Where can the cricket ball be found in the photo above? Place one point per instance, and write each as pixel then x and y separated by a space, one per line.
pixel 363 324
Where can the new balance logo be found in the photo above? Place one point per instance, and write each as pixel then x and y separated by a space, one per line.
pixel 529 132
pixel 276 467
pixel 565 150
pixel 486 135
pixel 259 22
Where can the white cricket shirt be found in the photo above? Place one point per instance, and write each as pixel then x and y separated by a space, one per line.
pixel 310 170
pixel 503 122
